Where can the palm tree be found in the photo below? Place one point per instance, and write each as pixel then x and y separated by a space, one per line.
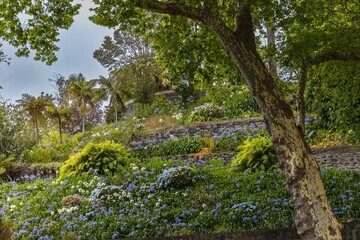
pixel 61 115
pixel 35 107
pixel 84 93
pixel 113 89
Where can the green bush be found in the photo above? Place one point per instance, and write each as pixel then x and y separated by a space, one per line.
pixel 230 143
pixel 184 145
pixel 235 101
pixel 119 133
pixel 5 163
pixel 177 177
pixel 160 106
pixel 41 154
pixel 156 164
pixel 205 112
pixel 254 155
pixel 103 158
pixel 50 149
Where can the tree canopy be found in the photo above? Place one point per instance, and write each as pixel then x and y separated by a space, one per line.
pixel 35 25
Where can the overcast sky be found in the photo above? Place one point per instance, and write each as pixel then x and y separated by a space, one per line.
pixel 25 75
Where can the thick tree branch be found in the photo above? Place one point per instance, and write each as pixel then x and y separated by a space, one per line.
pixel 169 8
pixel 333 56
pixel 244 23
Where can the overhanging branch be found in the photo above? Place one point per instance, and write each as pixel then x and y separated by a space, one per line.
pixel 169 8
pixel 332 57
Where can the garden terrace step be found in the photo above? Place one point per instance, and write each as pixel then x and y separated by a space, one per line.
pixel 208 128
pixel 331 157
pixel 201 129
pixel 27 172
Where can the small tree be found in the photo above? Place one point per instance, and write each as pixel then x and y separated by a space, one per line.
pixel 60 115
pixel 35 107
pixel 84 93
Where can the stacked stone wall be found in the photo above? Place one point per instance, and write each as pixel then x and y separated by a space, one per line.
pixel 335 157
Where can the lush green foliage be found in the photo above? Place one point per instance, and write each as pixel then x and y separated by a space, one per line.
pixel 235 101
pixel 15 133
pixel 40 31
pixel 227 140
pixel 160 106
pixel 333 93
pixel 205 112
pixel 218 200
pixel 257 154
pixel 5 162
pixel 119 133
pixel 172 147
pixel 230 143
pixel 103 158
pixel 50 149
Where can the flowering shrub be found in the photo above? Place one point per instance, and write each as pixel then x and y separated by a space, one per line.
pixel 255 155
pixel 118 133
pixel 176 177
pixel 219 200
pixel 172 147
pixel 103 158
pixel 205 112
pixel 108 193
pixel 235 101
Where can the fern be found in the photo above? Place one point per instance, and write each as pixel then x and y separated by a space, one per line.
pixel 104 158
pixel 255 155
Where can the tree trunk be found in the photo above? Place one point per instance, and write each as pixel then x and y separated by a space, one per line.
pixel 314 218
pixel 270 33
pixel 60 131
pixel 300 99
pixel 37 129
pixel 116 113
pixel 83 115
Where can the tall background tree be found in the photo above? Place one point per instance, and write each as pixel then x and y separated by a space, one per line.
pixel 132 65
pixel 60 115
pixel 35 107
pixel 114 90
pixel 318 33
pixel 15 134
pixel 84 93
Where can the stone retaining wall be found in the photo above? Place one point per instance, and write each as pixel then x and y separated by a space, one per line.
pixel 347 157
pixel 351 232
pixel 209 128
pixel 333 157
pixel 342 157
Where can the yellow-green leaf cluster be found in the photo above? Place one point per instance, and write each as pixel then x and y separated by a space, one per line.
pixel 257 154
pixel 103 158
